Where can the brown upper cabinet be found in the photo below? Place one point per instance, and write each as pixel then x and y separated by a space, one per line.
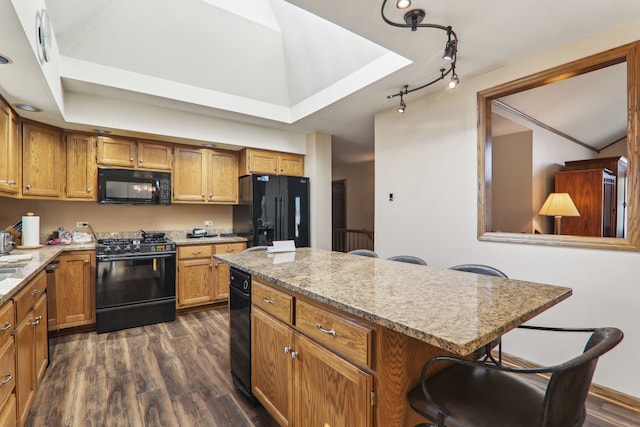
pixel 203 175
pixel 254 161
pixel 116 152
pixel 9 151
pixel 152 155
pixel 129 153
pixel 82 173
pixel 43 161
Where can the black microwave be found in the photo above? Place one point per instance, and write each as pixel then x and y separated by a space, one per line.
pixel 133 187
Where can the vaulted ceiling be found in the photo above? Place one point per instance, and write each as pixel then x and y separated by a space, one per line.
pixel 304 65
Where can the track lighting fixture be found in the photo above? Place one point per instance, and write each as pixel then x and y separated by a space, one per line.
pixel 414 19
pixel 402 107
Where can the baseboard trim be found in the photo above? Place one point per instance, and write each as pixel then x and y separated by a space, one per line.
pixel 612 396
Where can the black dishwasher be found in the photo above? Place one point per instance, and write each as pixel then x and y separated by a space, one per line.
pixel 240 330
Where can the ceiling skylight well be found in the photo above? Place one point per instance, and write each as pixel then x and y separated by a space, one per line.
pixel 264 58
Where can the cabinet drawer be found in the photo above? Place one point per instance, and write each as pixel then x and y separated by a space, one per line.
pixel 200 251
pixel 25 299
pixel 8 413
pixel 7 321
pixel 228 248
pixel 337 333
pixel 274 302
pixel 7 370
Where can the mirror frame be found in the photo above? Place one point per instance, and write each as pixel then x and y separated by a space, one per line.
pixel 628 53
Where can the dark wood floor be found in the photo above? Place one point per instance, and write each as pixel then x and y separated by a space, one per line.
pixel 172 374
pixel 169 374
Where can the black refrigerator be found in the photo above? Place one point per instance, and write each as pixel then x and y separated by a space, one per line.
pixel 272 207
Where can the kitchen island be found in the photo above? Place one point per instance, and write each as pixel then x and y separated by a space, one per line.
pixel 412 313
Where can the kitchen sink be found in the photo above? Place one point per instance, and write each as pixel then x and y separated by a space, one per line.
pixel 6 272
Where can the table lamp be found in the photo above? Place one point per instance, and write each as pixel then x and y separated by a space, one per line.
pixel 558 205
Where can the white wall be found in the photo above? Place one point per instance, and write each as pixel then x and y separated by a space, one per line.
pixel 428 158
pixel 359 181
pixel 317 166
pixel 512 183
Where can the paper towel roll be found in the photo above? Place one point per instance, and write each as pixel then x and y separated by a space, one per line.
pixel 30 230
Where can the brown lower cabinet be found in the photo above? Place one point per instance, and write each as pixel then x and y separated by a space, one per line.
pixel 72 297
pixel 306 383
pixel 7 366
pixel 31 345
pixel 201 279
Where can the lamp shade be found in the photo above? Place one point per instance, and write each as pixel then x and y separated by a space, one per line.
pixel 559 204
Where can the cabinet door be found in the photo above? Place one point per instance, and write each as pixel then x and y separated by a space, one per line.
pixel 41 342
pixel 8 370
pixel 223 176
pixel 347 402
pixel 189 175
pixel 75 289
pixel 8 414
pixel 25 383
pixel 261 162
pixel 116 152
pixel 222 276
pixel 82 177
pixel 272 367
pixel 586 189
pixel 195 282
pixel 291 164
pixel 9 151
pixel 43 161
pixel 154 156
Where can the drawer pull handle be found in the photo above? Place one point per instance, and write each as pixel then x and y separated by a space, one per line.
pixel 228 249
pixel 8 378
pixel 6 326
pixel 326 331
pixel 268 301
pixel 36 292
pixel 196 253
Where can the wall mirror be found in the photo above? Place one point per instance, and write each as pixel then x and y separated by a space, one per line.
pixel 540 133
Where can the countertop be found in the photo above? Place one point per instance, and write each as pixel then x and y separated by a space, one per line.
pixel 452 310
pixel 43 256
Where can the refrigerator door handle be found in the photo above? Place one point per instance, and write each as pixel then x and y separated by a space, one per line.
pixel 276 222
pixel 282 224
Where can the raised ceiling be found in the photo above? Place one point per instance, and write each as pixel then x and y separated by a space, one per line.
pixel 276 63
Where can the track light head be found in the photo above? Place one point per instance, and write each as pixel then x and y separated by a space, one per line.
pixel 450 51
pixel 402 107
pixel 453 83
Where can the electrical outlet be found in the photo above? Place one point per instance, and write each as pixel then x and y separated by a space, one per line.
pixel 81 224
pixel 208 223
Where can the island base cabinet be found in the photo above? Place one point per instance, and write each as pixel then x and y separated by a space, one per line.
pixel 271 367
pixel 329 390
pixel 8 414
pixel 25 373
pixel 304 384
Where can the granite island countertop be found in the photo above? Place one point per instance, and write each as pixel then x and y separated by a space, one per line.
pixel 452 310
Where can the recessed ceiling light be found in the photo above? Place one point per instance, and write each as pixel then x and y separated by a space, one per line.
pixel 27 107
pixel 103 131
pixel 209 145
pixel 5 60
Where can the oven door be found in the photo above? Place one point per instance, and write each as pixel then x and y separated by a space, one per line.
pixel 135 291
